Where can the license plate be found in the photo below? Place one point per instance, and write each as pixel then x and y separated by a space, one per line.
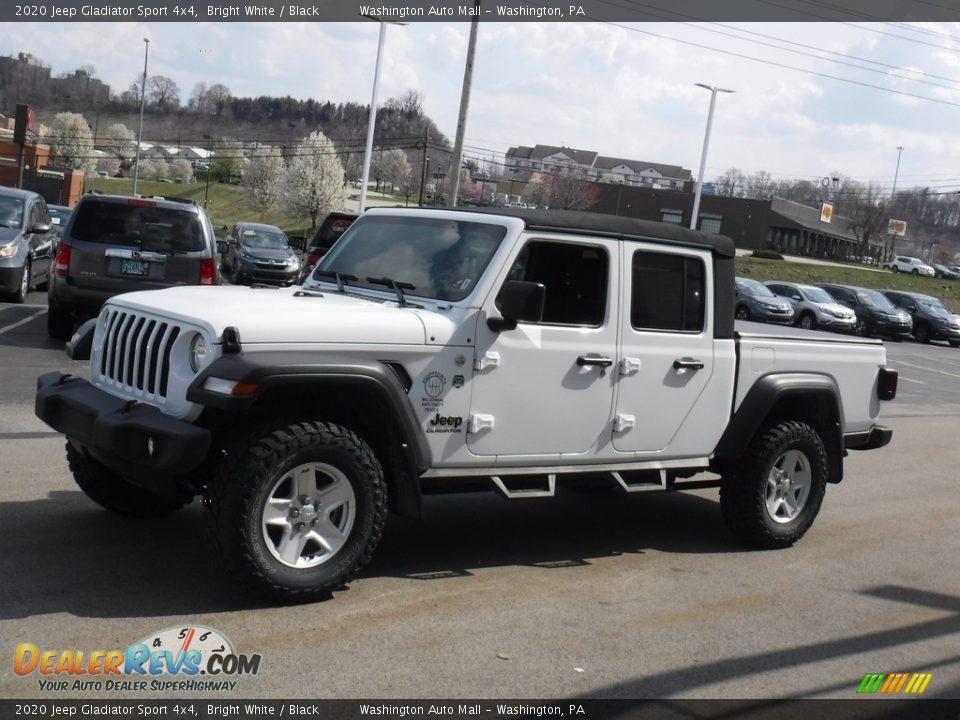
pixel 133 267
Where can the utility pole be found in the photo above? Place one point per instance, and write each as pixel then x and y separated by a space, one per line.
pixel 426 161
pixel 143 98
pixel 893 199
pixel 457 160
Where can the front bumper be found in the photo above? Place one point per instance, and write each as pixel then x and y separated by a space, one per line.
pixel 135 439
pixel 882 326
pixel 779 318
pixel 10 277
pixel 837 324
pixel 262 273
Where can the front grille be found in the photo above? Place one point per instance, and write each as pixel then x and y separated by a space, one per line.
pixel 136 352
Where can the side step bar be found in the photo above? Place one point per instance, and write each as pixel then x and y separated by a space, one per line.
pixel 521 493
pixel 664 482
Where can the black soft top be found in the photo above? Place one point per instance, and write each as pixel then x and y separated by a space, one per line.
pixel 614 226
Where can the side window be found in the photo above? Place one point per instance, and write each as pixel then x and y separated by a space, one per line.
pixel 575 278
pixel 667 292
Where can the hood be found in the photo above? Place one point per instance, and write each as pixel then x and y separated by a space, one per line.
pixel 267 253
pixel 267 315
pixel 773 302
pixel 836 308
pixel 8 235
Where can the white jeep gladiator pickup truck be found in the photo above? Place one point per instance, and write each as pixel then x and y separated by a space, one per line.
pixel 439 350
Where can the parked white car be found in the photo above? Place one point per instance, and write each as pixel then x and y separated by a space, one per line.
pixel 915 266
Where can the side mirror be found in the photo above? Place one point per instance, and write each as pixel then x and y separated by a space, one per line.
pixel 221 246
pixel 521 301
pixel 40 228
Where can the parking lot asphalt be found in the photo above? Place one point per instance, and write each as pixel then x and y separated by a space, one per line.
pixel 585 595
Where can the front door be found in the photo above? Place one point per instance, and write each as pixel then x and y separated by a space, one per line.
pixel 546 388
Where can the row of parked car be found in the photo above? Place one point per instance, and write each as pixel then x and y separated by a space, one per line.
pixel 845 308
pixel 916 266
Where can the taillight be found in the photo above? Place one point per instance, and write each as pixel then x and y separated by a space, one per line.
pixel 208 272
pixel 313 258
pixel 63 259
pixel 887 384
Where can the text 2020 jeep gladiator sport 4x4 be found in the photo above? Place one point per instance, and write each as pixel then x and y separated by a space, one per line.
pixel 439 349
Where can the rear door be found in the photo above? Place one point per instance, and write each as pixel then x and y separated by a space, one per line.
pixel 671 395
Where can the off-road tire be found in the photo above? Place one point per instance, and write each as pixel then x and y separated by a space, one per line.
pixel 743 489
pixel 112 491
pixel 59 323
pixel 242 484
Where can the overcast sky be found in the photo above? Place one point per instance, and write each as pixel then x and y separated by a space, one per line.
pixel 622 90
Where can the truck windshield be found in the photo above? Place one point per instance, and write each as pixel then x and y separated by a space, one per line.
pixel 442 259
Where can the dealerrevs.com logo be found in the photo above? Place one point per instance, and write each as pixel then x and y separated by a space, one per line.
pixel 178 658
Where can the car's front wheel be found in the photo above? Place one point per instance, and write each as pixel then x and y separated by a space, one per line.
pixel 296 511
pixel 808 321
pixel 921 333
pixel 20 294
pixel 742 313
pixel 862 327
pixel 772 496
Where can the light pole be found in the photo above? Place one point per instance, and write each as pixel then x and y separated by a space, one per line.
pixel 143 97
pixel 703 157
pixel 373 113
pixel 893 199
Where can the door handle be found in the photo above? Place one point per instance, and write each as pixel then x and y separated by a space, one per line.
pixel 599 360
pixel 687 363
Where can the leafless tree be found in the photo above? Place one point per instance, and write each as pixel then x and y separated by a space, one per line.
pixel 731 183
pixel 163 92
pixel 563 191
pixel 759 185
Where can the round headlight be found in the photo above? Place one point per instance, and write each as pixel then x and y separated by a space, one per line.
pixel 198 353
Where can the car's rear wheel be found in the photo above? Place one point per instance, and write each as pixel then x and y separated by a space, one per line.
pixel 894 268
pixel 59 323
pixel 771 498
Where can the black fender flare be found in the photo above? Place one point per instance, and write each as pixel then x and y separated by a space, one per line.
pixel 272 370
pixel 763 397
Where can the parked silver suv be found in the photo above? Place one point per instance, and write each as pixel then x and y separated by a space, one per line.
pixel 114 244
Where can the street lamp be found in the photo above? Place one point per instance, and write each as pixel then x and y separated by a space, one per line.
pixel 703 157
pixel 143 97
pixel 373 112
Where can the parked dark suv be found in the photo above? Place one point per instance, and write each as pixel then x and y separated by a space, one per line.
pixel 258 253
pixel 330 230
pixel 876 315
pixel 114 244
pixel 932 319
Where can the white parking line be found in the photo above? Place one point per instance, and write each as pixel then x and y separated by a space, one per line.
pixel 8 328
pixel 906 379
pixel 921 367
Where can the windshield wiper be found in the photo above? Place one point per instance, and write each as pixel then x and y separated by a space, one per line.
pixel 397 287
pixel 337 276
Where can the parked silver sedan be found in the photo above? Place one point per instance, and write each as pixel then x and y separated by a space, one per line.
pixel 814 308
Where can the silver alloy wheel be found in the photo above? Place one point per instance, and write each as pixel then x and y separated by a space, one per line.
pixel 309 515
pixel 788 486
pixel 807 322
pixel 25 281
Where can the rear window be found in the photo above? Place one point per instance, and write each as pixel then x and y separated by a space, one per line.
pixel 152 228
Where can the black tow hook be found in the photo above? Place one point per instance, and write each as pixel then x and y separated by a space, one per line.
pixel 128 406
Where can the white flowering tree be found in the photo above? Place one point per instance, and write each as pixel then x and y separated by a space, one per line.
pixel 71 142
pixel 313 181
pixel 119 140
pixel 263 179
